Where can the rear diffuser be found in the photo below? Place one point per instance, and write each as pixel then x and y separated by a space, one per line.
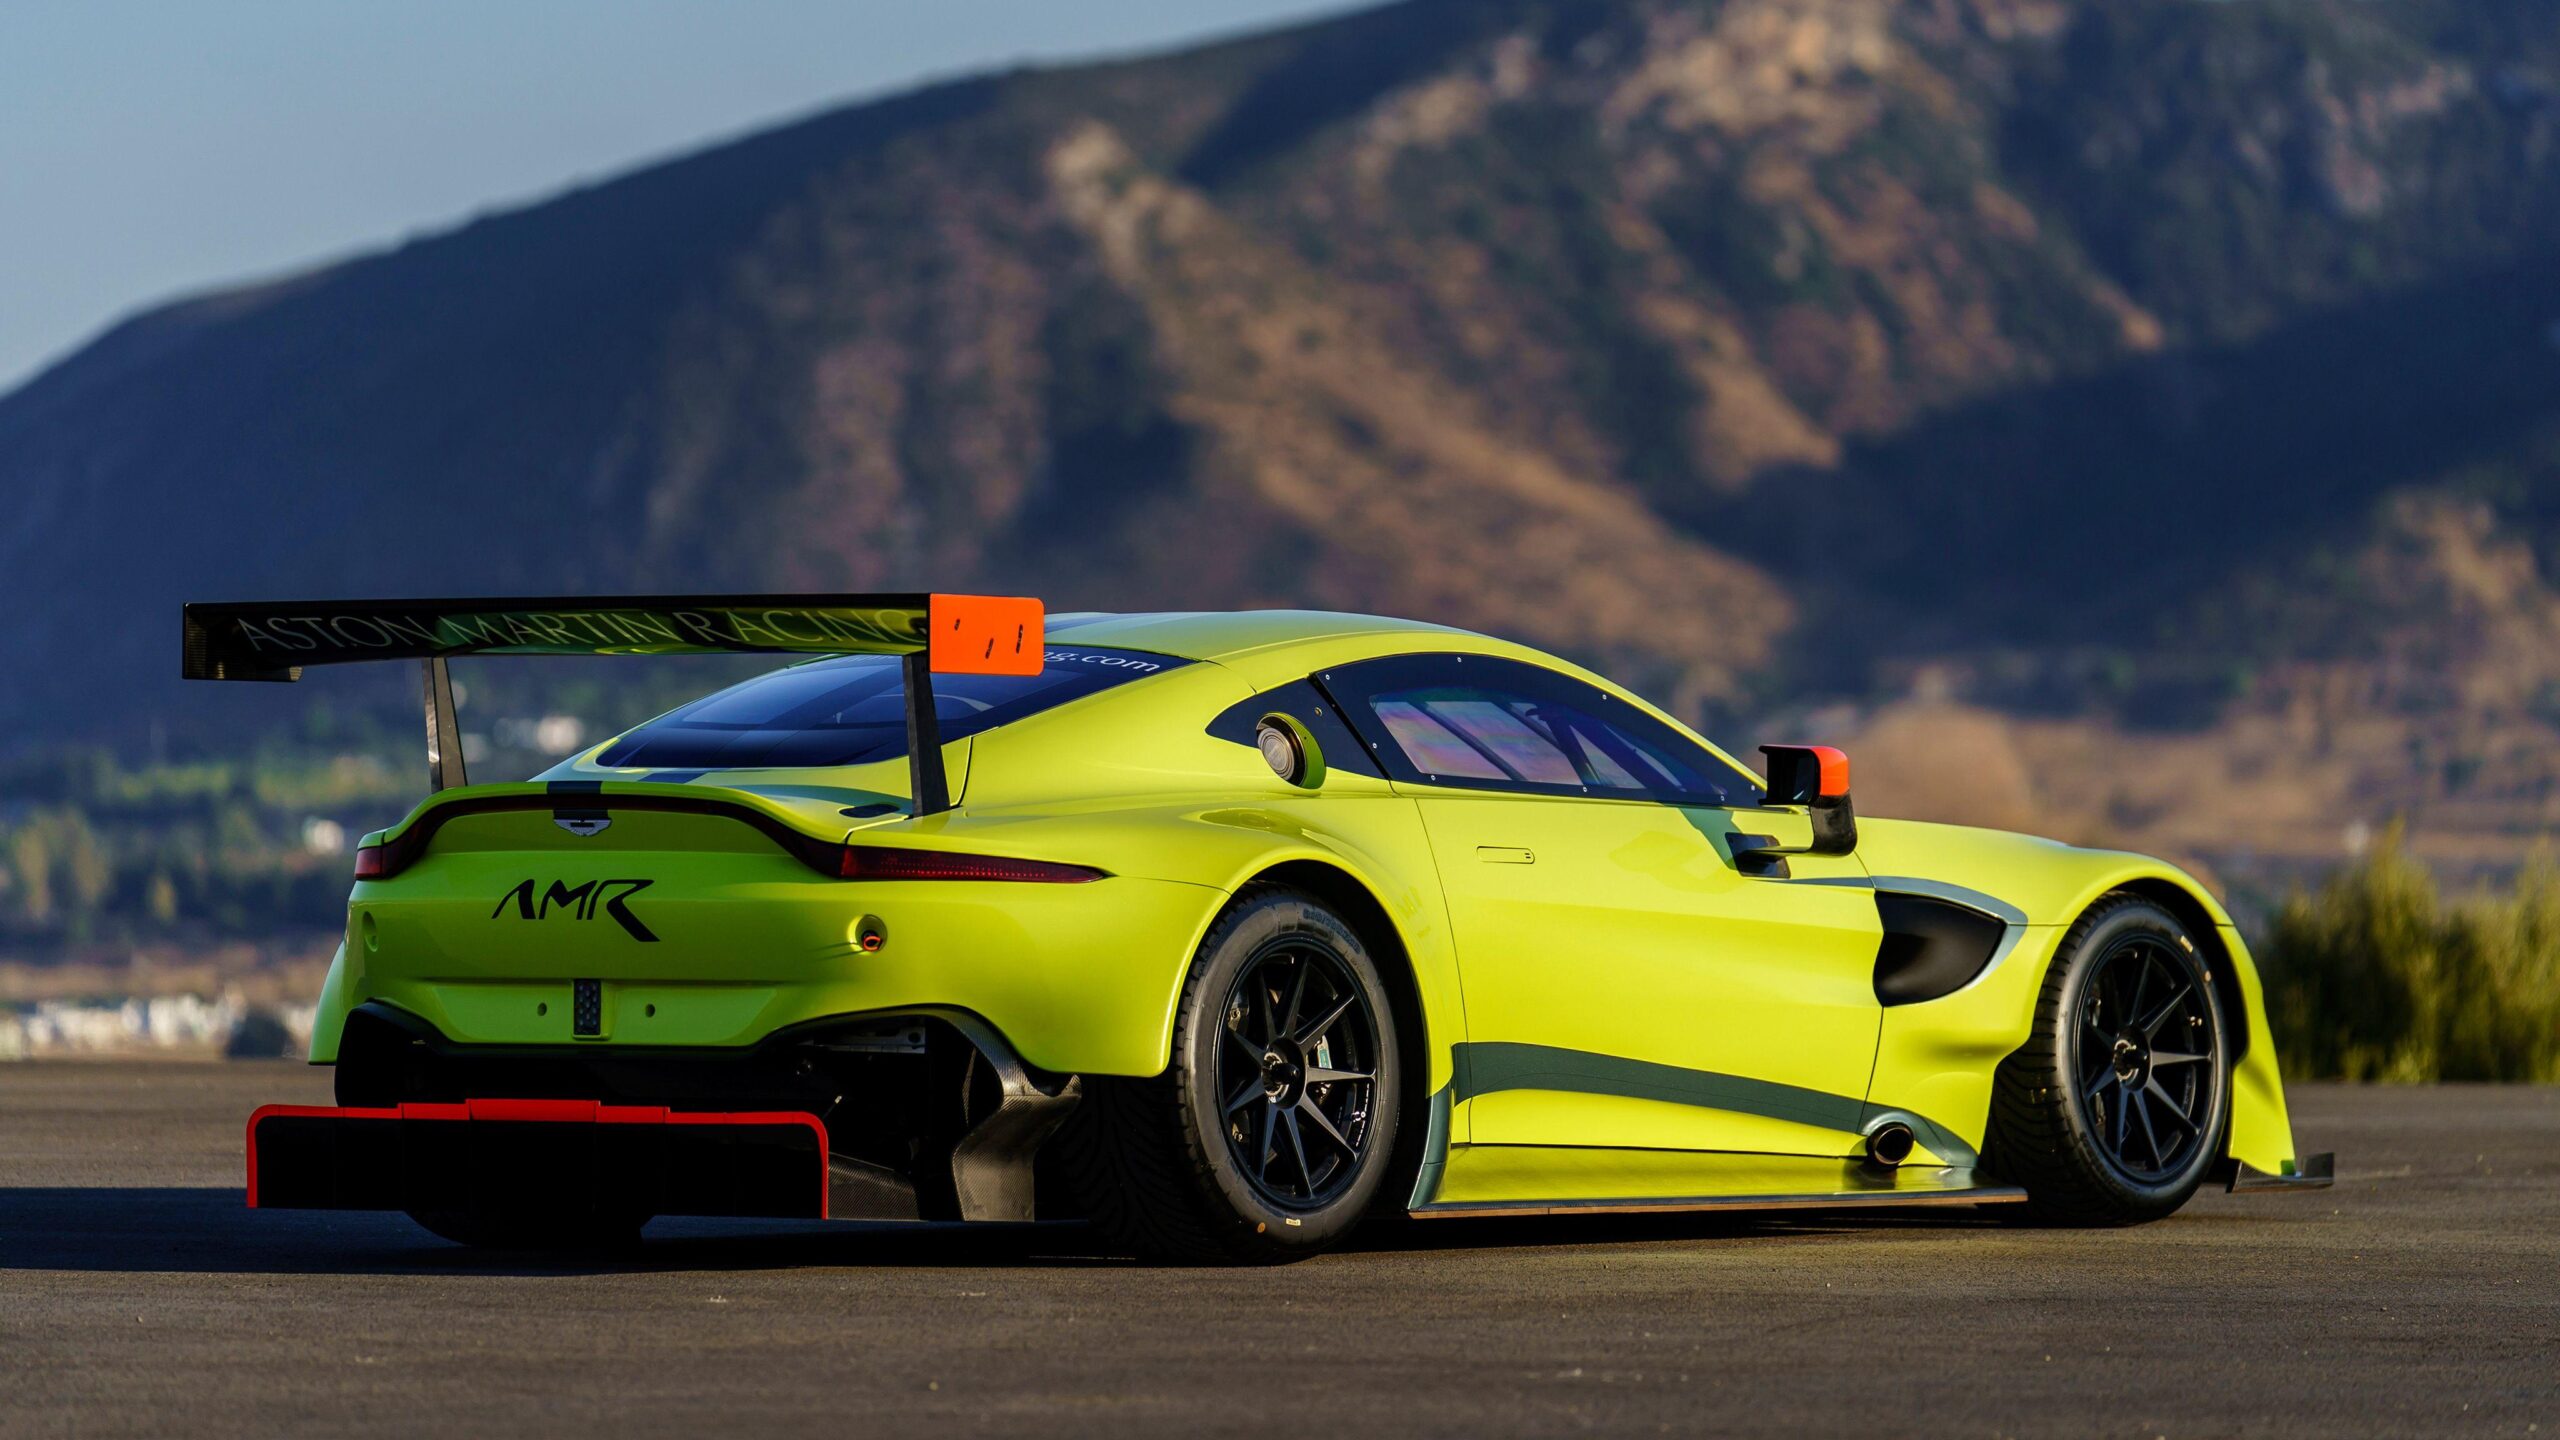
pixel 570 1156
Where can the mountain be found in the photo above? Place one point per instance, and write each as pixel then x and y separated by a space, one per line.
pixel 2140 417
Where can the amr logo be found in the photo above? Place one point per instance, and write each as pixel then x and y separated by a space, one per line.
pixel 579 900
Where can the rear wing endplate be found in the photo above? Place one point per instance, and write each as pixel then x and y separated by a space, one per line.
pixel 936 634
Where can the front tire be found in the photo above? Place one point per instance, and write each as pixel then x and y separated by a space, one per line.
pixel 2118 1105
pixel 1272 1130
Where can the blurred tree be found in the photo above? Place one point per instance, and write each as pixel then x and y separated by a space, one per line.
pixel 2356 970
pixel 32 862
pixel 2501 1001
pixel 85 862
pixel 2374 977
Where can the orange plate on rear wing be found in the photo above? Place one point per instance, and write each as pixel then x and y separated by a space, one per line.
pixel 985 635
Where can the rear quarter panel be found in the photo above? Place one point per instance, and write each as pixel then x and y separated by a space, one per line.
pixel 1145 791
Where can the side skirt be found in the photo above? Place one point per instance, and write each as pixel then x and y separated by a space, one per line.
pixel 1868 1200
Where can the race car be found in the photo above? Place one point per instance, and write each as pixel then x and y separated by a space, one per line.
pixel 1219 931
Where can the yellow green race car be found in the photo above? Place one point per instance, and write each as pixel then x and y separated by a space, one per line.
pixel 1222 932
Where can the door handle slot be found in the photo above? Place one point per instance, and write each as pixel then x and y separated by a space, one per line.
pixel 1506 855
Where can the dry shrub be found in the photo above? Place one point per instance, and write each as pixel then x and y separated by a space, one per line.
pixel 2376 977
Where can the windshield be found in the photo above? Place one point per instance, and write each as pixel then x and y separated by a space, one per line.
pixel 852 711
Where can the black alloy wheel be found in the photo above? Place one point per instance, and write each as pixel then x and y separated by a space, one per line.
pixel 1298 1071
pixel 2145 1057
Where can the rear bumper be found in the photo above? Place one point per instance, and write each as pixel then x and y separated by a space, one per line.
pixel 1082 979
pixel 570 1156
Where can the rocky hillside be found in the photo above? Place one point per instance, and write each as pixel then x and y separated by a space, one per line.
pixel 2160 397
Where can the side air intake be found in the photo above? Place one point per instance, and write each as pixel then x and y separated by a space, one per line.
pixel 1931 947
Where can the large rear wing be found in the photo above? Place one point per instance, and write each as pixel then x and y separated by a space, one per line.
pixel 945 634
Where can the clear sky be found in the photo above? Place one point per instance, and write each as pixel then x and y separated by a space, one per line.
pixel 152 149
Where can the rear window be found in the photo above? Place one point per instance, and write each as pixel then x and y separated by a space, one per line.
pixel 852 711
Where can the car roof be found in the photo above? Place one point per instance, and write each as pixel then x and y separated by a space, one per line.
pixel 1226 634
pixel 1278 639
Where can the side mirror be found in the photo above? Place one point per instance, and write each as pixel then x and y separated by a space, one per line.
pixel 1816 777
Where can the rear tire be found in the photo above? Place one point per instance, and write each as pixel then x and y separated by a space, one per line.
pixel 1271 1131
pixel 2118 1105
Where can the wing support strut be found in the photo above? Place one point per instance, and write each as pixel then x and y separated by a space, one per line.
pixel 445 767
pixel 927 781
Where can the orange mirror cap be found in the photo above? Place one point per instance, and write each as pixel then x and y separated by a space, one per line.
pixel 1834 783
pixel 1807 774
pixel 985 634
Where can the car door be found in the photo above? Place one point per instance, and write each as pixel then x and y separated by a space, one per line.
pixel 1627 985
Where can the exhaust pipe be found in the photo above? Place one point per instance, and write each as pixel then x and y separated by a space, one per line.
pixel 1889 1144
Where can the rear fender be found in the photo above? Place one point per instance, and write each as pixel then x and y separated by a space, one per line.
pixel 329 1016
pixel 1419 918
pixel 1354 828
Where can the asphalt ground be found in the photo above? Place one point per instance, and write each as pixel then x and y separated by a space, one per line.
pixel 2421 1295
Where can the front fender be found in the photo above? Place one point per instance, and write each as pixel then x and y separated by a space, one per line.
pixel 2261 1128
pixel 2046 881
pixel 1938 1057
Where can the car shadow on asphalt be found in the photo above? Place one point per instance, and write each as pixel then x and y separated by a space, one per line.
pixel 210 1230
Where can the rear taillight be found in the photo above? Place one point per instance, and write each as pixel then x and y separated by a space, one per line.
pixel 884 862
pixel 371 863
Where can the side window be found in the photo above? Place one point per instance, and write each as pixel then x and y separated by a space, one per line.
pixel 1480 722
